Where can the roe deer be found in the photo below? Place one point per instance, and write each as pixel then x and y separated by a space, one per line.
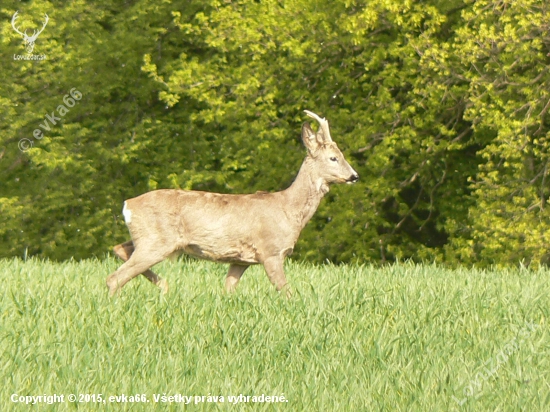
pixel 241 230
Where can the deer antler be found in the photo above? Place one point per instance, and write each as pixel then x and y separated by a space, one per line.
pixel 35 33
pixel 15 16
pixel 323 123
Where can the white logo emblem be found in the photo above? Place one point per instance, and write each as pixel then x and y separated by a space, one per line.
pixel 29 40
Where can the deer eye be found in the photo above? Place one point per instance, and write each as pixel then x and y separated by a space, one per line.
pixel 333 159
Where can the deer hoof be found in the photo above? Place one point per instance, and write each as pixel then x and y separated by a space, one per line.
pixel 163 285
pixel 112 286
pixel 288 293
pixel 112 291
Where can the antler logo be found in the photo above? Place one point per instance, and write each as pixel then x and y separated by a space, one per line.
pixel 29 40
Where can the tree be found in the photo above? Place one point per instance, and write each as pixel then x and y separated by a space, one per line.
pixel 441 107
pixel 504 47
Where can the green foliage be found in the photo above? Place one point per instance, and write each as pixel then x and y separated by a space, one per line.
pixel 509 97
pixel 440 106
pixel 401 337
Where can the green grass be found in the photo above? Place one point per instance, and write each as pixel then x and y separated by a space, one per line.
pixel 352 338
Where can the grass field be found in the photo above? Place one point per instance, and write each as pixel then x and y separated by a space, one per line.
pixel 352 338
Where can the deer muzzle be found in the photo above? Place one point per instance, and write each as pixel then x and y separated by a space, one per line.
pixel 353 178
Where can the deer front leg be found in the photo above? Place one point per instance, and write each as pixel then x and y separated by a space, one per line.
pixel 274 269
pixel 233 276
pixel 125 250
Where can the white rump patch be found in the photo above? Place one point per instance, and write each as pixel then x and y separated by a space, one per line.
pixel 127 214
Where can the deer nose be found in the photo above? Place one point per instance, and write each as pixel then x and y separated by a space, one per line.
pixel 353 178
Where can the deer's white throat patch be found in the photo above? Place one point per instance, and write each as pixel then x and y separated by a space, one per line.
pixel 322 186
pixel 127 213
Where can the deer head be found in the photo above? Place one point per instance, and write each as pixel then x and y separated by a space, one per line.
pixel 331 166
pixel 29 40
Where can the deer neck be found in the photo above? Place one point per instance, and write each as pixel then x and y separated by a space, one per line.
pixel 305 193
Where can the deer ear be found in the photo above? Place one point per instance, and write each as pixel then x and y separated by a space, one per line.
pixel 309 137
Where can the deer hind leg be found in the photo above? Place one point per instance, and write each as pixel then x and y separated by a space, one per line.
pixel 125 250
pixel 135 263
pixel 274 269
pixel 233 276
